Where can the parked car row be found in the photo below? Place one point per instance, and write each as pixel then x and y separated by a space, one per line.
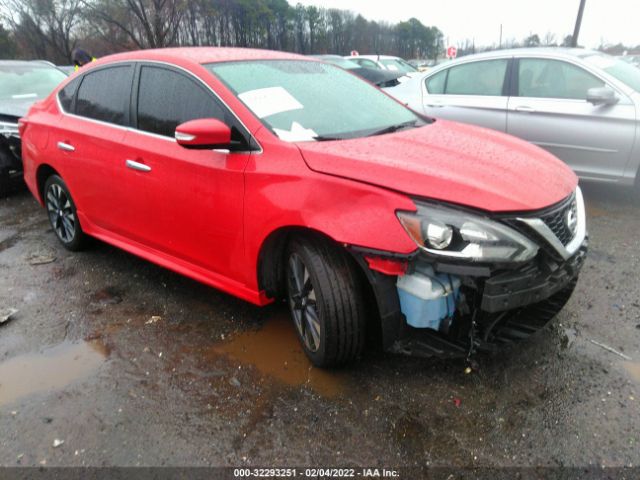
pixel 379 77
pixel 274 176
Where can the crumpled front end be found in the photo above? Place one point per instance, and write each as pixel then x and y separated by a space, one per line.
pixel 477 282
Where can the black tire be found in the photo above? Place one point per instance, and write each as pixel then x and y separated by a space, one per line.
pixel 5 182
pixel 62 214
pixel 332 289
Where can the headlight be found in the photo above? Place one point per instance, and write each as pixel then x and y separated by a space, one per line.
pixel 447 232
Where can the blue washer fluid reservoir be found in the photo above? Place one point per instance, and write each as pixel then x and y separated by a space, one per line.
pixel 427 298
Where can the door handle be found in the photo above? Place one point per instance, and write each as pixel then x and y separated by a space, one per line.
pixel 66 147
pixel 435 105
pixel 140 167
pixel 524 108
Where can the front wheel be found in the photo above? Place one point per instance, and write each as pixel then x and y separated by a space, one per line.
pixel 62 214
pixel 325 298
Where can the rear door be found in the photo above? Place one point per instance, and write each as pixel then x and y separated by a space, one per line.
pixel 185 203
pixel 473 92
pixel 89 140
pixel 549 108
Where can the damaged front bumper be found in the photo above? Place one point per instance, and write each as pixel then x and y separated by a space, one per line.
pixel 452 309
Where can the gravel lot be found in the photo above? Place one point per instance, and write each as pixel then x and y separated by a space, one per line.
pixel 129 364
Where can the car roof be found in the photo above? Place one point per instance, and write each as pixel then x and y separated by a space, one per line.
pixel 203 55
pixel 21 63
pixel 553 52
pixel 375 57
pixel 547 51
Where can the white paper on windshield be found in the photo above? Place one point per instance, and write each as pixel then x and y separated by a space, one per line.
pixel 391 66
pixel 269 101
pixel 297 133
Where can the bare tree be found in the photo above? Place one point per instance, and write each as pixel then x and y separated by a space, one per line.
pixel 146 23
pixel 44 28
pixel 549 40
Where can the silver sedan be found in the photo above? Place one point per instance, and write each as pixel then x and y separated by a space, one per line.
pixel 581 105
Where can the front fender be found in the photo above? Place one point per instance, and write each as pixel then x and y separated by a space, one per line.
pixel 281 191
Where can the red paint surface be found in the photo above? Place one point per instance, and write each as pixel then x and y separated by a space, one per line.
pixel 387 266
pixel 207 214
pixel 452 162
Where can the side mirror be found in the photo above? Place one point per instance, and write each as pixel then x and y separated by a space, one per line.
pixel 203 133
pixel 602 96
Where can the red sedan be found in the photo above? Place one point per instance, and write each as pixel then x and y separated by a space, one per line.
pixel 274 176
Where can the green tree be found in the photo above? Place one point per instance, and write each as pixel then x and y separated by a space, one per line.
pixel 532 41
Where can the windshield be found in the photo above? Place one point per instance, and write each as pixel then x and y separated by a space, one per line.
pixel 304 100
pixel 398 65
pixel 623 71
pixel 28 82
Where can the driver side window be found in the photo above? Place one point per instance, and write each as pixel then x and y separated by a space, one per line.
pixel 167 98
pixel 544 78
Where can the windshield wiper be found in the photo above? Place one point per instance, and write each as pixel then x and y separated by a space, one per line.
pixel 393 128
pixel 326 138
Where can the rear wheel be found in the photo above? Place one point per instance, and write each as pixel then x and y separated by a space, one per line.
pixel 326 301
pixel 62 214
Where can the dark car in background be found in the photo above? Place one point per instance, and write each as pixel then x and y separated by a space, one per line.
pixel 380 78
pixel 22 83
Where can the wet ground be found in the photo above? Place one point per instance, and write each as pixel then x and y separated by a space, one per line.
pixel 130 364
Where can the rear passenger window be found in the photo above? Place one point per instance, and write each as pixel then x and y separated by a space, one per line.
pixel 477 78
pixel 104 95
pixel 66 95
pixel 167 98
pixel 435 84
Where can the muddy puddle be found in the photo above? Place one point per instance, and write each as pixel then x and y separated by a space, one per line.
pixel 274 350
pixel 51 369
pixel 633 368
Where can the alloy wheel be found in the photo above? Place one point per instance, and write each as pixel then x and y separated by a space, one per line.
pixel 61 213
pixel 302 300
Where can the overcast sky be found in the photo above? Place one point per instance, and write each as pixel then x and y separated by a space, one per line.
pixel 611 21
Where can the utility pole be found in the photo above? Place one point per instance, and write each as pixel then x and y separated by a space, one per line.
pixel 576 30
pixel 500 43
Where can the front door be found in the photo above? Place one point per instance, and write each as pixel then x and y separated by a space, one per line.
pixel 187 204
pixel 550 110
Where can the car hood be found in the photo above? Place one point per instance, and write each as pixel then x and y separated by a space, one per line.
pixel 16 108
pixel 451 162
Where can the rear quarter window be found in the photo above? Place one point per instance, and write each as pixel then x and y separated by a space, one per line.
pixel 67 93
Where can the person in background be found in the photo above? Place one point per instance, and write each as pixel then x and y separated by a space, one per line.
pixel 80 58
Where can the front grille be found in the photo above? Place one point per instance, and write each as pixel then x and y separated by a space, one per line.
pixel 557 221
